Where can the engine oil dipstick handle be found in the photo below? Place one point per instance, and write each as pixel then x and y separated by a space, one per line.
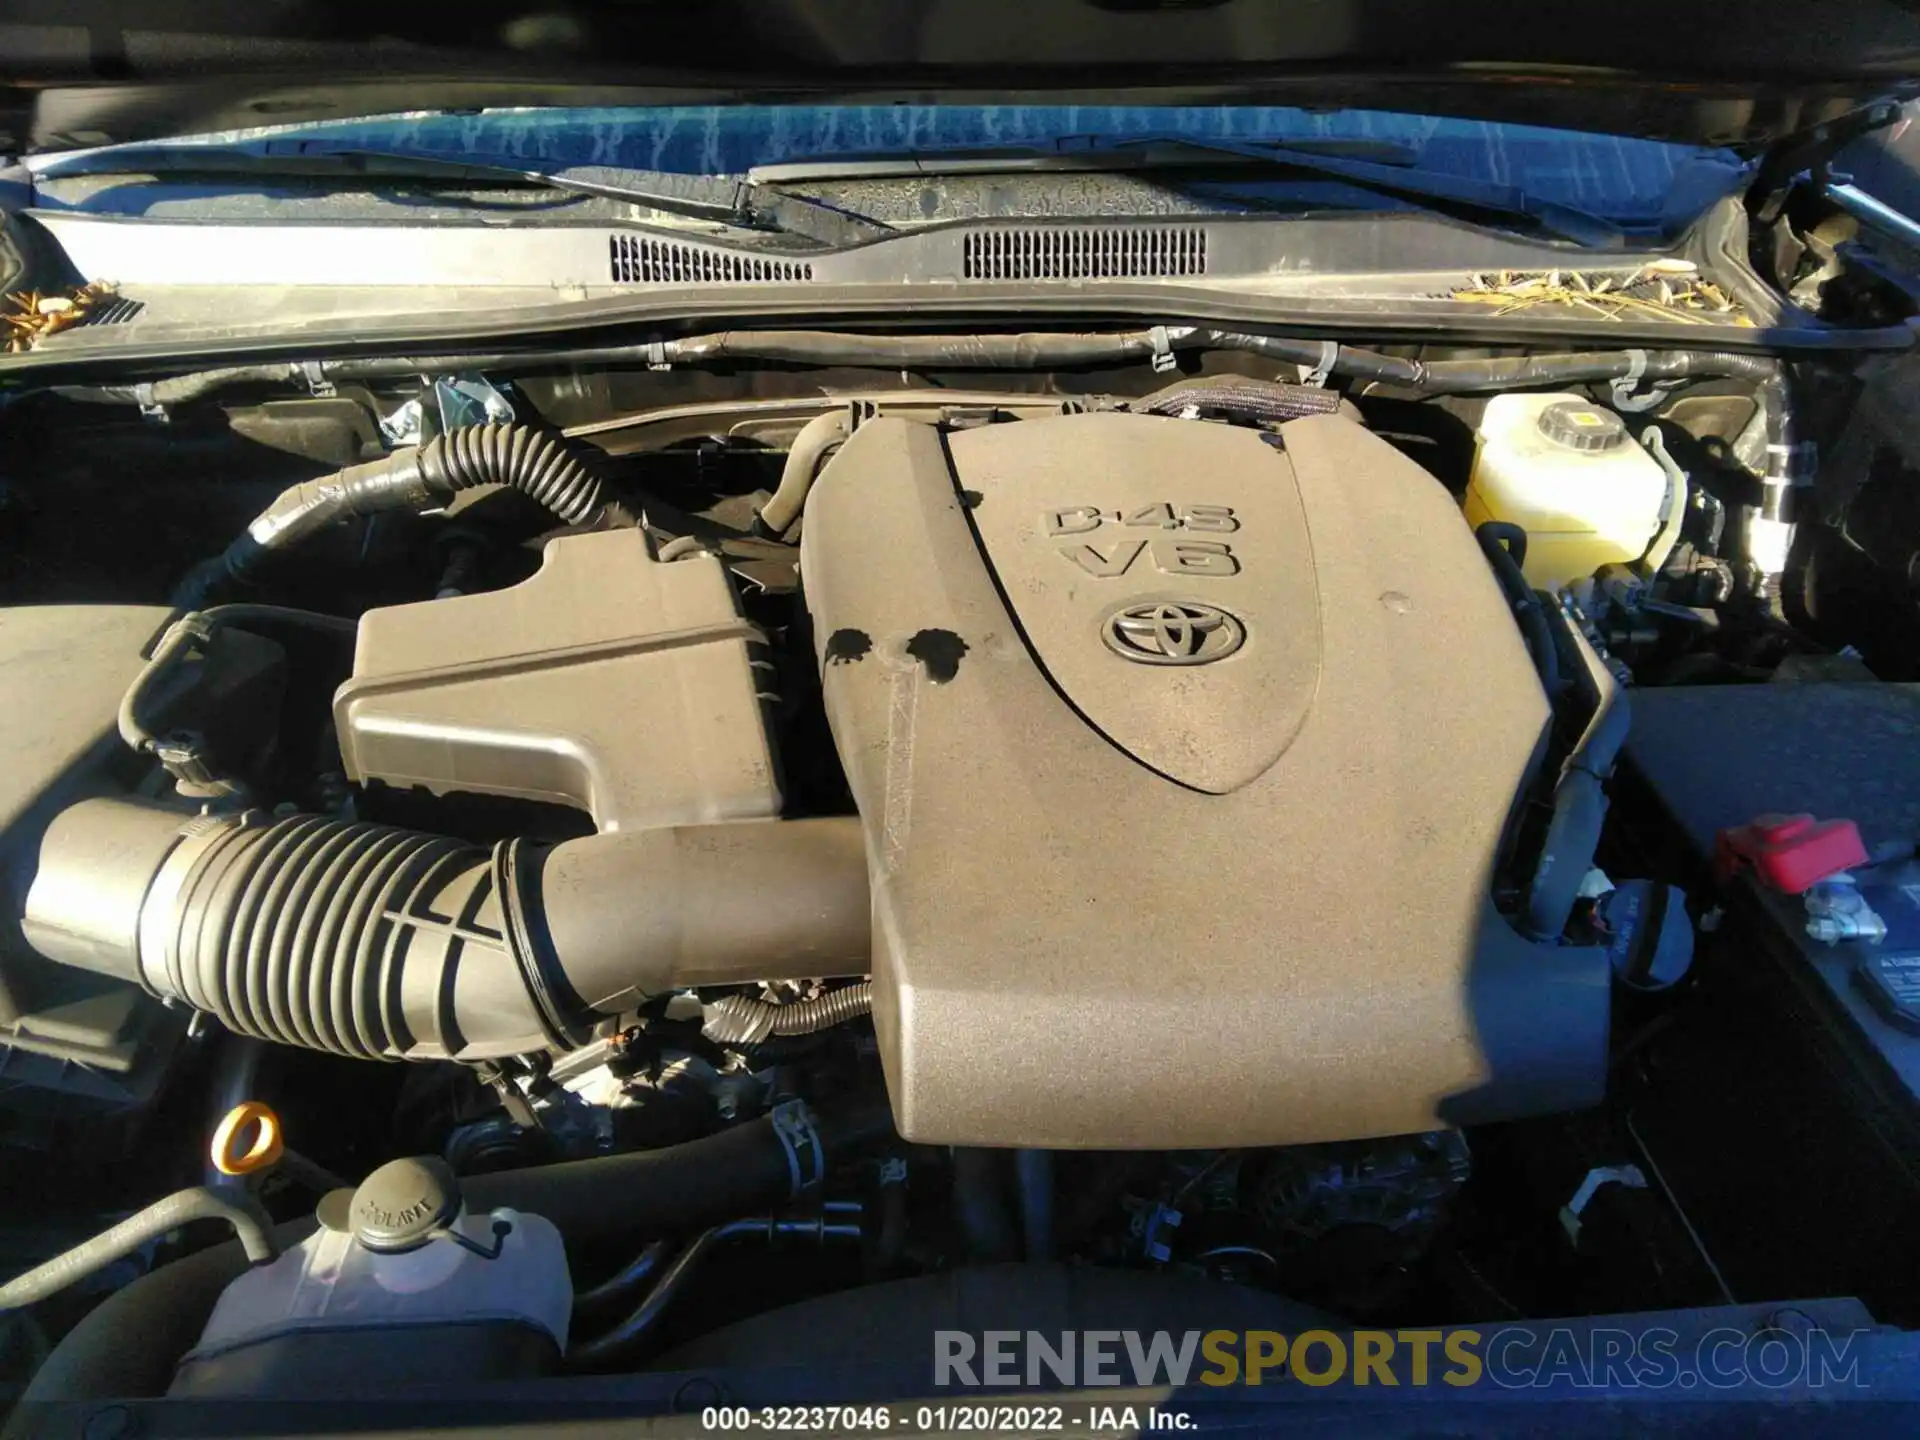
pixel 248 1121
pixel 249 1141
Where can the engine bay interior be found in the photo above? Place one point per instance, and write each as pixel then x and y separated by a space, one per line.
pixel 1419 835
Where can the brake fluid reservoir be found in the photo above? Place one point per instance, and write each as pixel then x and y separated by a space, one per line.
pixel 1567 472
pixel 398 1286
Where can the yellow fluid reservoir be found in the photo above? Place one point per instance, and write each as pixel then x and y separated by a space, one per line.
pixel 1568 473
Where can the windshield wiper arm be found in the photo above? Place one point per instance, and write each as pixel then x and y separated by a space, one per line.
pixel 1383 168
pixel 735 200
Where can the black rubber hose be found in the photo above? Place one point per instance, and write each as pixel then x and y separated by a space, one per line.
pixel 1033 1171
pixel 531 461
pixel 1505 547
pixel 1017 351
pixel 1446 377
pixel 198 628
pixel 690 1186
pixel 236 1207
pixel 128 1346
pixel 980 1204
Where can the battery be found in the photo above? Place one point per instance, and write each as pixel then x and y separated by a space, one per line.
pixel 1781 1098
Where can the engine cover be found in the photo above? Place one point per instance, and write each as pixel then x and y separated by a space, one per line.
pixel 1182 757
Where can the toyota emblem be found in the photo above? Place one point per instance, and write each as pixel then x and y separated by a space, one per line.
pixel 1180 633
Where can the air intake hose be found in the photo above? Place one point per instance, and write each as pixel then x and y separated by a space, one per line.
pixel 524 459
pixel 381 943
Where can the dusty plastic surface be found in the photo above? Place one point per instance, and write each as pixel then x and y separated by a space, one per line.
pixel 63 669
pixel 334 934
pixel 608 681
pixel 1121 904
pixel 1581 509
pixel 331 1282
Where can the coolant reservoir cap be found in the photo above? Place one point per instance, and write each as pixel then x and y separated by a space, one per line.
pixel 404 1204
pixel 1580 426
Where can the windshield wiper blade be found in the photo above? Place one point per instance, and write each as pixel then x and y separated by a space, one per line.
pixel 1088 153
pixel 736 200
pixel 1382 168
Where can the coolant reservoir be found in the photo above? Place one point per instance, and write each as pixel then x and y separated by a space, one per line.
pixel 473 1297
pixel 1567 472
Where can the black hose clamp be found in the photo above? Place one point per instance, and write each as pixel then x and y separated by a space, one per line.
pixel 806 1156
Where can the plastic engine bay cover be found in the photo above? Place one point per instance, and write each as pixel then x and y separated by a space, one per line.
pixel 1182 757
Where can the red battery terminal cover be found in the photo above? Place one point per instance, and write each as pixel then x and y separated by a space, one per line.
pixel 1789 853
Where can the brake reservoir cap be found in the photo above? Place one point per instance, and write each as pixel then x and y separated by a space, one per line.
pixel 1580 426
pixel 404 1204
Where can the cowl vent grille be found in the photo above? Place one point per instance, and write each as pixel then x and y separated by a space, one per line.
pixel 1086 252
pixel 640 260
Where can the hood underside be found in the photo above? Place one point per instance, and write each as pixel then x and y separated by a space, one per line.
pixel 1748 73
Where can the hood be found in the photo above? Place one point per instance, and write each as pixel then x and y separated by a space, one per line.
pixel 1744 73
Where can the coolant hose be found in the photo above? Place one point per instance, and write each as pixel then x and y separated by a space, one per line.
pixel 1579 801
pixel 380 943
pixel 1505 547
pixel 197 628
pixel 235 1206
pixel 810 447
pixel 531 461
pixel 128 1346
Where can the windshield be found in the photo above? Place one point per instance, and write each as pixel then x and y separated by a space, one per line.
pixel 1642 185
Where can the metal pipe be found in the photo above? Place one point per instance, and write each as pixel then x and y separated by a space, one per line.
pixel 623 1342
pixel 623 1282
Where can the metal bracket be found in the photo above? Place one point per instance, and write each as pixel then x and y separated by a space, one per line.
pixel 1775 178
pixel 1163 356
pixel 1798 463
pixel 1323 368
pixel 501 1230
pixel 806 1157
pixel 1627 1175
pixel 1624 387
pixel 316 377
